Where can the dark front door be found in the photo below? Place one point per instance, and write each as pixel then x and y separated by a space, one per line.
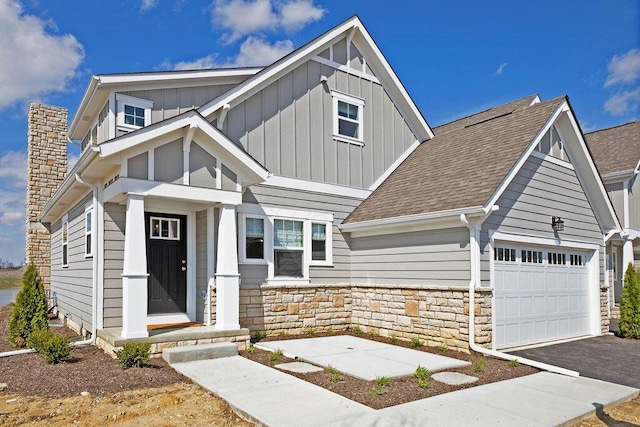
pixel 166 263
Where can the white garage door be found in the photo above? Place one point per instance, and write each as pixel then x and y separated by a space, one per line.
pixel 541 294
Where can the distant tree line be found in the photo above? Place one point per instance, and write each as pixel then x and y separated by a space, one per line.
pixel 6 264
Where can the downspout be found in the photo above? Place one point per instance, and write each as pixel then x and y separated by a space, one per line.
pixel 474 248
pixel 94 308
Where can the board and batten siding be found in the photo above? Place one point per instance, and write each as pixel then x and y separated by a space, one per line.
pixel 202 279
pixel 114 226
pixel 72 286
pixel 540 190
pixel 339 206
pixel 615 190
pixel 433 257
pixel 634 203
pixel 288 128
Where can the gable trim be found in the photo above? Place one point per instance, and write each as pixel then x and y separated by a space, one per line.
pixel 345 68
pixel 552 159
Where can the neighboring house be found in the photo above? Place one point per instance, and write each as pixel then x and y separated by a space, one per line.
pixel 312 194
pixel 616 152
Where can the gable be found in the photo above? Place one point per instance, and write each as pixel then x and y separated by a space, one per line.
pixel 288 126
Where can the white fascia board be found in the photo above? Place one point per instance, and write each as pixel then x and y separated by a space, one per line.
pixel 84 103
pixel 316 187
pixel 540 241
pixel 171 191
pixel 245 89
pixel 618 176
pixel 562 107
pixel 175 76
pixel 409 223
pixel 395 165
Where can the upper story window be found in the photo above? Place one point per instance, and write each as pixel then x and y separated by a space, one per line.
pixel 347 120
pixel 88 231
pixel 132 113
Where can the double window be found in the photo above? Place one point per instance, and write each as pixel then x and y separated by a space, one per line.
pixel 133 113
pixel 347 121
pixel 289 242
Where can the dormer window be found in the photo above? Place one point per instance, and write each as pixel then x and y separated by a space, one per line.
pixel 347 120
pixel 133 113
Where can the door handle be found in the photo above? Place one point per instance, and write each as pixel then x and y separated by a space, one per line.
pixel 184 268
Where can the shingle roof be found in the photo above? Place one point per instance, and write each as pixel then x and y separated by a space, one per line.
pixel 615 149
pixel 458 168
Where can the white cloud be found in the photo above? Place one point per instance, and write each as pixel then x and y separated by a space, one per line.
pixel 34 61
pixel 243 17
pixel 254 51
pixel 500 69
pixel 623 103
pixel 13 169
pixel 296 14
pixel 148 4
pixel 72 159
pixel 624 68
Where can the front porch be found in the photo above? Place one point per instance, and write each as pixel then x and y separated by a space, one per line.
pixel 110 339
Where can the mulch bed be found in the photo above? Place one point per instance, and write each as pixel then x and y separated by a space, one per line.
pixel 87 369
pixel 404 389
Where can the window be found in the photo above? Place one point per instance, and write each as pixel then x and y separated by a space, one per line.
pixel 65 242
pixel 318 242
pixel 504 254
pixel 556 258
pixel 165 228
pixel 533 257
pixel 133 113
pixel 88 231
pixel 347 124
pixel 288 248
pixel 254 238
pixel 577 260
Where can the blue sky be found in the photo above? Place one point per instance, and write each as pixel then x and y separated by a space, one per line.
pixel 455 58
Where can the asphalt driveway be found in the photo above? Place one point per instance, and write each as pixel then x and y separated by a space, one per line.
pixel 606 358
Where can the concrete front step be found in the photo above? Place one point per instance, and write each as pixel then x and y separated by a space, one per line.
pixel 199 352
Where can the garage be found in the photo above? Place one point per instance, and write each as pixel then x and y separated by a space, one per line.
pixel 541 294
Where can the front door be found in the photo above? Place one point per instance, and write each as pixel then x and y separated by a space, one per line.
pixel 166 263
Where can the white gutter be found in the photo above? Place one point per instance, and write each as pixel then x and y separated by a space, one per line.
pixel 474 248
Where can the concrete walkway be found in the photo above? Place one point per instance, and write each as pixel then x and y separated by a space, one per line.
pixel 273 398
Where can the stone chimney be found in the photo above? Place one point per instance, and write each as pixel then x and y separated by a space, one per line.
pixel 46 169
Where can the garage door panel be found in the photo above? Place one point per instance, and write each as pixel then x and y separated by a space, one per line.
pixel 539 302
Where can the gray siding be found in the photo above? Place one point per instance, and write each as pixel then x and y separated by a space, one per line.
pixel 73 285
pixel 103 124
pixel 288 128
pixel 616 195
pixel 201 264
pixel 634 203
pixel 229 179
pixel 169 162
pixel 138 166
pixel 438 257
pixel 170 102
pixel 202 172
pixel 539 191
pixel 340 206
pixel 114 226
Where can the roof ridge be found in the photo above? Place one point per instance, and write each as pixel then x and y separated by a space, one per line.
pixel 486 110
pixel 612 127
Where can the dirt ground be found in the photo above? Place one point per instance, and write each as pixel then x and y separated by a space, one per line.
pixel 625 414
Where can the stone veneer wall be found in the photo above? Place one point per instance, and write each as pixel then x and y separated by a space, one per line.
pixel 46 169
pixel 604 309
pixel 435 315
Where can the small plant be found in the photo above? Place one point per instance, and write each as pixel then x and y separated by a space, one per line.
pixel 134 354
pixel 423 375
pixel 376 391
pixel 53 348
pixel 415 342
pixel 480 365
pixel 357 330
pixel 259 336
pixel 277 354
pixel 373 334
pixel 394 339
pixel 514 363
pixel 443 347
pixel 383 381
pixel 251 349
pixel 334 374
pixel 329 330
pixel 310 331
pixel 30 309
pixel 629 323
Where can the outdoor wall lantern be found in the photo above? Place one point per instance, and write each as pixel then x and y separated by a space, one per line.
pixel 557 223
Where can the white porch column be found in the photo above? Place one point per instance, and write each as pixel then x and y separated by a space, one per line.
pixel 227 277
pixel 627 254
pixel 134 274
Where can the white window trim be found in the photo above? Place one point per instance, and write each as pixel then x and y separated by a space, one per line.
pixel 65 224
pixel 121 101
pixel 350 99
pixel 88 250
pixel 271 214
pixel 169 220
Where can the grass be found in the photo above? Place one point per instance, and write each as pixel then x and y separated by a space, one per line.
pixel 381 383
pixel 10 282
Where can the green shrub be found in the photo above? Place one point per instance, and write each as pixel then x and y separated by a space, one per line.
pixel 629 323
pixel 53 348
pixel 30 309
pixel 415 342
pixel 357 330
pixel 134 354
pixel 310 331
pixel 277 354
pixel 480 365
pixel 259 335
pixel 514 363
pixel 443 347
pixel 334 374
pixel 394 339
pixel 251 349
pixel 423 375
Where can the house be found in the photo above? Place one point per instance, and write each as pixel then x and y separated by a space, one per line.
pixel 312 195
pixel 616 151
